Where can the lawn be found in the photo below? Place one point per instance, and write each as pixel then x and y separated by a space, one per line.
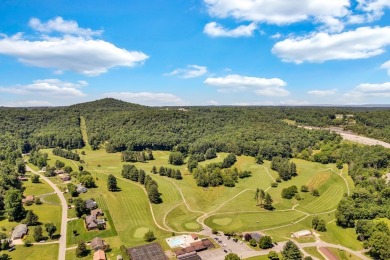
pixel 251 221
pixel 37 188
pixel 52 198
pixel 313 252
pixel 343 236
pixel 35 252
pixel 342 255
pixel 180 219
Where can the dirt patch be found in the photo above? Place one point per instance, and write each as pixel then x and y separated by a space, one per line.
pixel 317 180
pixel 327 253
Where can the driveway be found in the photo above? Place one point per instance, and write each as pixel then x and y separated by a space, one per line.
pixel 64 218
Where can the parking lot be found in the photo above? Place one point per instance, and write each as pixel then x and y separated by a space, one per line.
pixel 227 246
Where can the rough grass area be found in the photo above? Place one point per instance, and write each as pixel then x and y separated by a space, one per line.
pixel 36 188
pixel 342 255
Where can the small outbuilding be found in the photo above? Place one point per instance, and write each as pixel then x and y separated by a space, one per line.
pixel 302 233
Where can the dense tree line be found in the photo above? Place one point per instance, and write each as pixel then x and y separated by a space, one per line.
pixel 137 156
pixel 171 173
pixel 132 173
pixel 214 175
pixel 66 154
pixel 285 169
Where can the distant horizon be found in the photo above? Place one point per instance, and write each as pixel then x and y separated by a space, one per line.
pixel 221 105
pixel 195 52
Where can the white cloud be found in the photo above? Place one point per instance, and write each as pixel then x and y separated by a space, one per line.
pixel 293 102
pixel 322 93
pixel 214 29
pixel 278 12
pixel 60 25
pixel 48 87
pixel 78 53
pixel 147 98
pixel 374 8
pixel 30 103
pixel 261 86
pixel 276 36
pixel 367 90
pixel 192 71
pixel 364 42
pixel 386 65
pixel 212 102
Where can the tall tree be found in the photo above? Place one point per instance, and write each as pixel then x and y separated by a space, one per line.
pixel 291 251
pixel 112 183
pixel 50 229
pixel 13 205
pixel 31 218
pixel 268 202
pixel 38 234
pixel 81 249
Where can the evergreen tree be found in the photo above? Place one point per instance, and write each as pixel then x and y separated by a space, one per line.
pixel 272 255
pixel 268 202
pixel 31 218
pixel 154 169
pixel 38 234
pixel 291 251
pixel 111 183
pixel 141 176
pixel 153 194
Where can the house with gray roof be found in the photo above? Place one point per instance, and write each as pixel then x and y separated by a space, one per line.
pixel 81 189
pixel 19 231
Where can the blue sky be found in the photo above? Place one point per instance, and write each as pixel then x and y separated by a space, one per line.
pixel 195 52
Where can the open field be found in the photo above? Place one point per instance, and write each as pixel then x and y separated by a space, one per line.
pixel 251 221
pixel 314 252
pixel 342 236
pixel 35 252
pixel 36 188
pixel 229 209
pixel 342 255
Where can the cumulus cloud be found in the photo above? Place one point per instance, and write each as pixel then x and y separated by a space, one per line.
pixel 280 12
pixel 386 65
pixel 366 90
pixel 364 42
pixel 373 8
pixel 147 98
pixel 260 86
pixel 75 52
pixel 322 93
pixel 48 87
pixel 60 25
pixel 191 71
pixel 214 29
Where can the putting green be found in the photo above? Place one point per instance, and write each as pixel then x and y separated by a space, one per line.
pixel 140 232
pixel 222 221
pixel 192 225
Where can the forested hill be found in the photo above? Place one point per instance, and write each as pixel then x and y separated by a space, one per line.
pixel 117 125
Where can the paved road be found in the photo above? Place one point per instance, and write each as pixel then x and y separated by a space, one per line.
pixel 64 219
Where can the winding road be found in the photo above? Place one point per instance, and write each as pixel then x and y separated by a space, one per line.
pixel 64 217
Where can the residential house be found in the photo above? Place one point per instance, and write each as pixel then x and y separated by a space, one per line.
pixel 22 178
pixel 66 178
pixel 58 172
pixel 98 244
pixel 256 236
pixel 99 255
pixel 97 212
pixel 90 204
pixel 81 189
pixel 91 223
pixel 19 231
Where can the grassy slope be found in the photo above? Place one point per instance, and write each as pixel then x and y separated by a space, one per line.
pixel 314 252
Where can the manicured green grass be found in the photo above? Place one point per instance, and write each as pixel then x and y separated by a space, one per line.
pixel 35 252
pixel 180 219
pixel 261 257
pixel 345 237
pixel 342 255
pixel 314 252
pixel 71 255
pixel 52 198
pixel 36 188
pixel 248 221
